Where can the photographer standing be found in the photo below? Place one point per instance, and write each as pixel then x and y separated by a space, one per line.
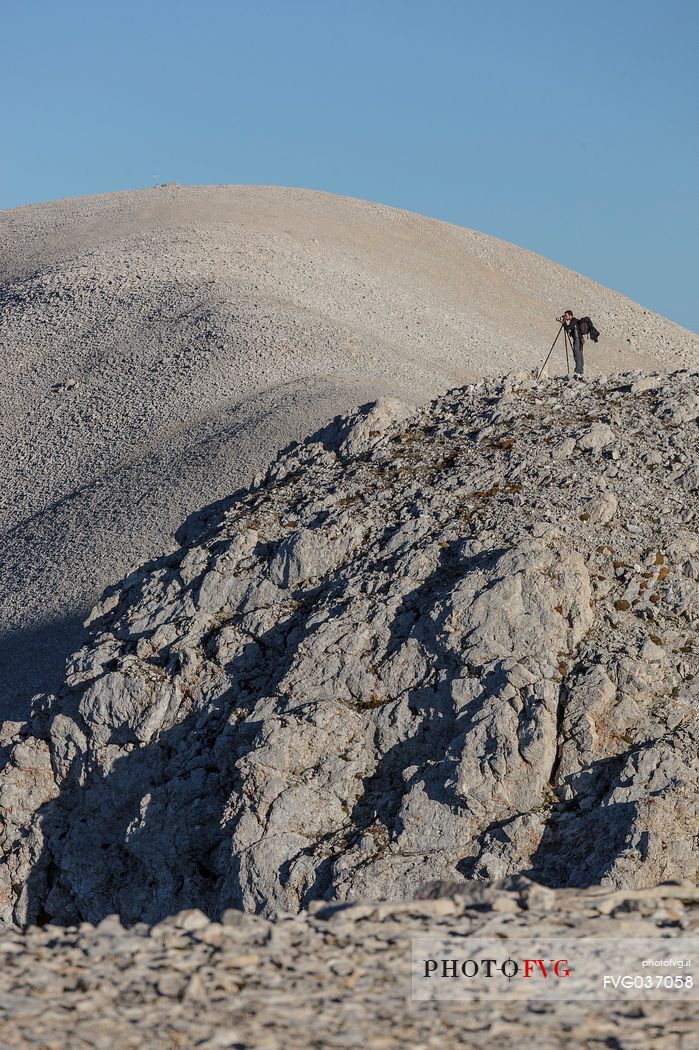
pixel 572 327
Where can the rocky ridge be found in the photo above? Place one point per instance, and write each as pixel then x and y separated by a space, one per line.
pixel 453 643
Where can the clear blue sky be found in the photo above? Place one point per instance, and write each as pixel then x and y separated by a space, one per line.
pixel 568 127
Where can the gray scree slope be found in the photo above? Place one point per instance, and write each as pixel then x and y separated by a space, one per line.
pixel 160 346
pixel 458 642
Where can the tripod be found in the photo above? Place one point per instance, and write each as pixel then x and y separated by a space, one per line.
pixel 567 341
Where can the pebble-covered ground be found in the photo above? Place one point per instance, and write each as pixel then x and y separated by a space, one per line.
pixel 336 977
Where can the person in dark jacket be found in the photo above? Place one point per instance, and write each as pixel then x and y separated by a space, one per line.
pixel 572 327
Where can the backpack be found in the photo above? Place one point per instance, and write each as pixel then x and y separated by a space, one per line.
pixel 587 328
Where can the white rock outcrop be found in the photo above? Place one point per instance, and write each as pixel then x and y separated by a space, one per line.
pixel 450 645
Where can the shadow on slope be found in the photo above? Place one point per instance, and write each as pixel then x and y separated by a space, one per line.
pixel 33 660
pixel 99 532
pixel 143 838
pixel 149 835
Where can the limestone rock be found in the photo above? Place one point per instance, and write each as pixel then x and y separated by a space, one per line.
pixel 456 645
pixel 596 437
pixel 365 430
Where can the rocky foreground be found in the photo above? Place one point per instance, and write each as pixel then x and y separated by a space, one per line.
pixel 459 644
pixel 337 977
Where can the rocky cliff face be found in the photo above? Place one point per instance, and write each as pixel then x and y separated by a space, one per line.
pixel 453 644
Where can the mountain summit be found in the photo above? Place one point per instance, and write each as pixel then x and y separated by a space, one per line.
pixel 161 346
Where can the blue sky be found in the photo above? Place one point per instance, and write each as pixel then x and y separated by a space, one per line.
pixel 568 128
